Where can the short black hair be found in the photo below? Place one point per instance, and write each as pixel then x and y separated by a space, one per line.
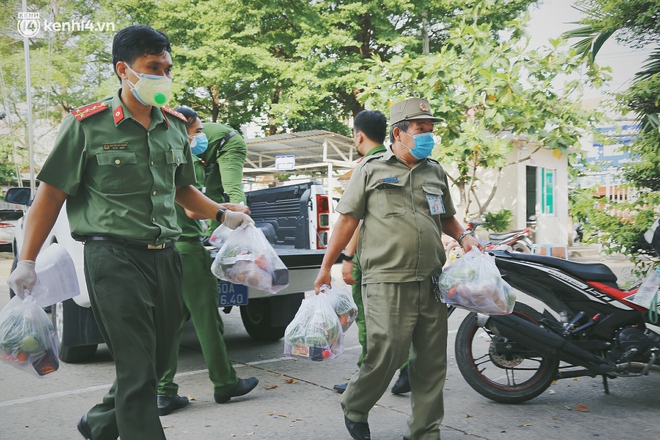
pixel 190 114
pixel 137 41
pixel 401 125
pixel 372 123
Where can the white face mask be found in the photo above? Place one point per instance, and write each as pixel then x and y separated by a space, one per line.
pixel 152 90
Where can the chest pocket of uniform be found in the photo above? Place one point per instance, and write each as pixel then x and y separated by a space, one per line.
pixel 433 194
pixel 175 157
pixel 389 197
pixel 115 170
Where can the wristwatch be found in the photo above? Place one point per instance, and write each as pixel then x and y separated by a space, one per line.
pixel 218 215
pixel 345 257
pixel 462 236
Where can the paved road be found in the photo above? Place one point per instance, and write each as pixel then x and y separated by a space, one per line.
pixel 295 400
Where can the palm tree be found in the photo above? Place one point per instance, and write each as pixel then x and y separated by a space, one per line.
pixel 604 18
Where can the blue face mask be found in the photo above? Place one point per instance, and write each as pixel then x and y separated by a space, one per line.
pixel 424 144
pixel 199 144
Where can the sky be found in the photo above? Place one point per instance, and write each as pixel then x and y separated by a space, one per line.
pixel 551 18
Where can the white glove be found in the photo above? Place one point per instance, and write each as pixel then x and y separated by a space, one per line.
pixel 235 219
pixel 22 278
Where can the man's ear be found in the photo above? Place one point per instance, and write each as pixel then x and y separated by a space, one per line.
pixel 359 138
pixel 120 67
pixel 396 134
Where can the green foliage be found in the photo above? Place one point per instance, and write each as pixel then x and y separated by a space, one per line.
pixel 7 164
pixel 284 65
pixel 295 65
pixel 498 221
pixel 68 69
pixel 488 90
pixel 622 223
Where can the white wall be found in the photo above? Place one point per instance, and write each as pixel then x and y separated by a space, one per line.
pixel 511 193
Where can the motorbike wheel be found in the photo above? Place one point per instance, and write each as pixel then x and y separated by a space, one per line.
pixel 521 247
pixel 503 377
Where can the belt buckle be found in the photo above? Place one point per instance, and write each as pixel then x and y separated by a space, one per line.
pixel 156 246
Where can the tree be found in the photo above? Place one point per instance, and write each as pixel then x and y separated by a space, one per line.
pixel 487 91
pixel 299 64
pixel 61 78
pixel 634 23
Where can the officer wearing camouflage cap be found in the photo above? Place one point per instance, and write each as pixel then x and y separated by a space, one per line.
pixel 402 197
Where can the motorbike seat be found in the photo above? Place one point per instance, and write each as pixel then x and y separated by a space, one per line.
pixel 584 271
pixel 503 236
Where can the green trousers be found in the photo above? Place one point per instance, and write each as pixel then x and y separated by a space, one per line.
pixel 359 320
pixel 135 296
pixel 200 297
pixel 402 319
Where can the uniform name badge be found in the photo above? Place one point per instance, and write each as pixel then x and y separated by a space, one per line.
pixel 436 206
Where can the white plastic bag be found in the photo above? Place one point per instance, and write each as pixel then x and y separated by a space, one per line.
pixel 474 283
pixel 315 332
pixel 247 258
pixel 27 338
pixel 647 295
pixel 219 236
pixel 342 302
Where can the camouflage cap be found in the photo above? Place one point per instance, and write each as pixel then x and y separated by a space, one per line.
pixel 410 109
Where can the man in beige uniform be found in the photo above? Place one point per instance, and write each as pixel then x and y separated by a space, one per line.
pixel 403 198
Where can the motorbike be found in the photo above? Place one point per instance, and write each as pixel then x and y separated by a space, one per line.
pixel 589 327
pixel 517 241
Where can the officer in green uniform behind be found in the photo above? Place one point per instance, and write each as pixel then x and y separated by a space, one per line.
pixel 121 164
pixel 200 298
pixel 402 197
pixel 369 131
pixel 224 159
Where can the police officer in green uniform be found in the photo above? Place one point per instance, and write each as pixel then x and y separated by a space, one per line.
pixel 120 165
pixel 369 131
pixel 402 197
pixel 224 157
pixel 200 298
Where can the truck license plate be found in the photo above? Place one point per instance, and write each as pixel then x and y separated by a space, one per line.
pixel 232 294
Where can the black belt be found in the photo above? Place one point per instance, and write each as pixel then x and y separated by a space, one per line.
pixel 190 239
pixel 130 243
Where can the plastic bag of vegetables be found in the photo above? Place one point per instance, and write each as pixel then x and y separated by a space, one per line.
pixel 27 338
pixel 341 298
pixel 247 258
pixel 474 283
pixel 315 332
pixel 219 236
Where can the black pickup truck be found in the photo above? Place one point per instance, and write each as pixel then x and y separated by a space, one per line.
pixel 294 218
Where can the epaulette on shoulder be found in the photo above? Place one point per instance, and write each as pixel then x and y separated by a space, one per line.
pixel 175 113
pixel 89 110
pixel 435 161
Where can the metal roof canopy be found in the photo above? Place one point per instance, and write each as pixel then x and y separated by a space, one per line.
pixel 312 149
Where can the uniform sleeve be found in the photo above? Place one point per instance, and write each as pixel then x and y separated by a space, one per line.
pixel 354 200
pixel 231 158
pixel 65 165
pixel 450 211
pixel 200 175
pixel 185 173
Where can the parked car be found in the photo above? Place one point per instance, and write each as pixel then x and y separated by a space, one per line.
pixel 8 219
